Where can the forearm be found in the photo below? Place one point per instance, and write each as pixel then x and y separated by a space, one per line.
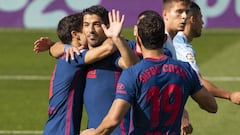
pixel 216 91
pixel 57 49
pixel 116 113
pixel 128 57
pixel 100 52
pixel 106 127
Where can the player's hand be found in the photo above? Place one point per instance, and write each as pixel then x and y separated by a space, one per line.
pixel 235 97
pixel 71 50
pixel 42 44
pixel 88 132
pixel 186 127
pixel 115 24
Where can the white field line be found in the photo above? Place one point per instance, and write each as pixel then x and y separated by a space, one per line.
pixel 20 132
pixel 223 78
pixel 24 77
pixel 39 77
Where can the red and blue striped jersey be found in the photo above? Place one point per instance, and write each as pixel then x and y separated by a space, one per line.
pixel 66 97
pixel 100 92
pixel 158 90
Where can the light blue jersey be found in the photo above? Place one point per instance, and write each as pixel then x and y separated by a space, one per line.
pixel 184 51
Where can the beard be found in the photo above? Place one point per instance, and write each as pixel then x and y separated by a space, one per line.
pixel 95 42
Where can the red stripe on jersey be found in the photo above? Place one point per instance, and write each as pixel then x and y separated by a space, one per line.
pixel 69 112
pixel 51 83
pixel 70 104
pixel 117 75
pixel 92 73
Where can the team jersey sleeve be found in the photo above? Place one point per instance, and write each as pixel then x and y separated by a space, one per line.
pixel 196 84
pixel 126 87
pixel 79 59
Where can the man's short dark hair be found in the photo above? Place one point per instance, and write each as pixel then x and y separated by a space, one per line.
pixel 151 30
pixel 68 24
pixel 99 11
pixel 194 9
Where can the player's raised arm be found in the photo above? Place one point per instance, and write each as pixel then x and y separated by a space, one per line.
pixel 128 57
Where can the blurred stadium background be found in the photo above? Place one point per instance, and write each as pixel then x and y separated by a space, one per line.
pixel 24 76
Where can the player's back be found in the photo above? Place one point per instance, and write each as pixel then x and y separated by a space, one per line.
pixel 161 88
pixel 66 98
pixel 100 91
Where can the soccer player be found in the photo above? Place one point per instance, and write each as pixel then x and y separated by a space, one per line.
pixel 68 79
pixel 174 14
pixel 157 88
pixel 65 100
pixel 186 53
pixel 103 75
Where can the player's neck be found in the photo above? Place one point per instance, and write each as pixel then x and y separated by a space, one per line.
pixel 152 53
pixel 171 33
pixel 188 35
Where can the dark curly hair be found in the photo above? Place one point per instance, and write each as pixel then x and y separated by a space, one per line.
pixel 151 29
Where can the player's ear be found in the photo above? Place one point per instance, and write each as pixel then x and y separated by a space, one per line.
pixel 135 30
pixel 139 41
pixel 74 34
pixel 164 14
pixel 192 19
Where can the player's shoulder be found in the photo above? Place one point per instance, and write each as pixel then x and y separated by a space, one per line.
pixel 136 67
pixel 182 46
pixel 180 63
pixel 180 40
